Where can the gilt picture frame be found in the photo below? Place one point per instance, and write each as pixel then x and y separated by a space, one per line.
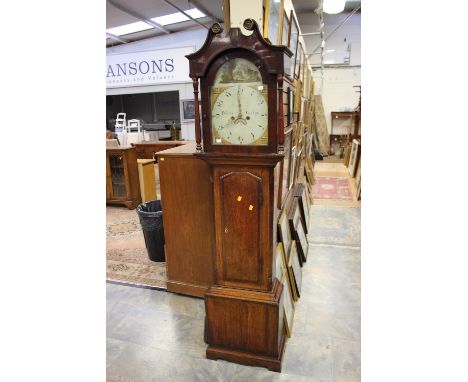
pixel 285 41
pixel 288 304
pixel 292 164
pixel 293 42
pixel 280 261
pixel 354 157
pixel 272 21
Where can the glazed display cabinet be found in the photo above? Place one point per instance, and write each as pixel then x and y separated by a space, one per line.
pixel 122 181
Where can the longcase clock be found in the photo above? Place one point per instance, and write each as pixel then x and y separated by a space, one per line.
pixel 241 81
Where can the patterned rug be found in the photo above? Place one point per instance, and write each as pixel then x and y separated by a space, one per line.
pixel 328 187
pixel 321 126
pixel 333 225
pixel 127 259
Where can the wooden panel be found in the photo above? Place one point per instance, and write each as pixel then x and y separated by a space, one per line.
pixel 241 193
pixel 244 225
pixel 246 326
pixel 147 179
pixel 187 202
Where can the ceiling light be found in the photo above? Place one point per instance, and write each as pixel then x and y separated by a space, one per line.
pixel 178 17
pixel 333 6
pixel 129 28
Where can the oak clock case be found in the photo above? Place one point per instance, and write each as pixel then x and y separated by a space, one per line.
pixel 240 78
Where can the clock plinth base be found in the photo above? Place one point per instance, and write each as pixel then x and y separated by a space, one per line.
pixel 246 326
pixel 248 359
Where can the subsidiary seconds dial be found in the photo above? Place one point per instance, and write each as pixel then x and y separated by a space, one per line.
pixel 239 115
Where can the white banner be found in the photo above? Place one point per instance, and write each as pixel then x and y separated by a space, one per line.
pixel 153 67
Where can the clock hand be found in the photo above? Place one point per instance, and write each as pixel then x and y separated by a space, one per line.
pixel 239 116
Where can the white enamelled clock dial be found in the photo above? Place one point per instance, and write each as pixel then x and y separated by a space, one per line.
pixel 239 114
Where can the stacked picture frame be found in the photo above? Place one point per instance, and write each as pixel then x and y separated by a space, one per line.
pixel 294 193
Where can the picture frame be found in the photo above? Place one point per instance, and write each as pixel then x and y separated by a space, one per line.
pixel 187 106
pixel 293 42
pixel 288 304
pixel 303 69
pixel 312 89
pixel 358 181
pixel 295 137
pixel 299 158
pixel 308 198
pixel 284 232
pixel 298 99
pixel 280 261
pixel 310 162
pixel 303 110
pixel 299 235
pixel 354 157
pixel 284 169
pixel 272 21
pixel 295 269
pixel 309 174
pixel 298 65
pixel 306 77
pixel 303 199
pixel 290 96
pixel 309 190
pixel 292 163
pixel 285 41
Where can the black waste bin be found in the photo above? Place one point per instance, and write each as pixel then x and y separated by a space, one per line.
pixel 151 220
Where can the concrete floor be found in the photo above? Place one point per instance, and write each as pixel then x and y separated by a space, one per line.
pixel 158 336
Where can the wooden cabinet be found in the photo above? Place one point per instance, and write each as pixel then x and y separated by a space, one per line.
pixel 342 123
pixel 147 179
pixel 148 150
pixel 122 183
pixel 187 201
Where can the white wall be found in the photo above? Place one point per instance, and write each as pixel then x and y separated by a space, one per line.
pixel 338 93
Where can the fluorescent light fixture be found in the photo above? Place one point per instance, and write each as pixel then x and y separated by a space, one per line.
pixel 178 17
pixel 129 28
pixel 333 6
pixel 329 50
pixel 162 20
